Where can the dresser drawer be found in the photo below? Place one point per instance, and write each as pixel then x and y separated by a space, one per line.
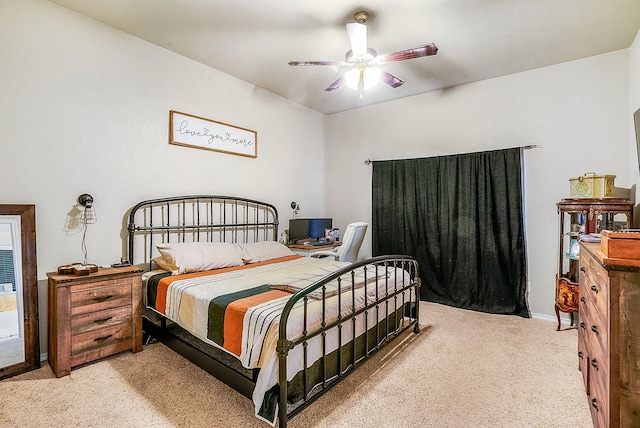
pixel 102 338
pixel 596 288
pixel 104 295
pixel 583 358
pixel 597 336
pixel 99 320
pixel 599 401
pixel 594 331
pixel 598 362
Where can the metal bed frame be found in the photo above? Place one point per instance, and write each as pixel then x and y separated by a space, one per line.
pixel 212 218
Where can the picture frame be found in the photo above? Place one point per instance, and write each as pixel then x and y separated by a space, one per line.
pixel 201 133
pixel 332 234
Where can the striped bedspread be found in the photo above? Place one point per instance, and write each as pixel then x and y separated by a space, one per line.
pixel 238 310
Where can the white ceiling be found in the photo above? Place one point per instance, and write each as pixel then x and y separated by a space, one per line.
pixel 477 39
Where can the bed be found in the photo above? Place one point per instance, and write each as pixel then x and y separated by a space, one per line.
pixel 279 328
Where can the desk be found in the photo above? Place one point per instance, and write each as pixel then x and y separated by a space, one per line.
pixel 306 250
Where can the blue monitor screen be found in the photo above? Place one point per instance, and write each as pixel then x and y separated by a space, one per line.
pixel 317 227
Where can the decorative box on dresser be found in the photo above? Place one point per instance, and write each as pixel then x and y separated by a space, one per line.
pixel 93 316
pixel 609 336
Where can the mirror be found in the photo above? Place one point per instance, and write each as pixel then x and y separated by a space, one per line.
pixel 19 335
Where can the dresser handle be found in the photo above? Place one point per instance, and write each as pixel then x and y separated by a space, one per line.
pixel 594 289
pixel 594 403
pixel 102 339
pixel 582 300
pixel 580 354
pixel 582 269
pixel 102 298
pixel 582 325
pixel 594 363
pixel 594 329
pixel 102 320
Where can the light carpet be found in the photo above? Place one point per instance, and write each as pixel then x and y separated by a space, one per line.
pixel 464 369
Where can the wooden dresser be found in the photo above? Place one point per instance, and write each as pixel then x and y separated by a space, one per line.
pixel 609 336
pixel 93 316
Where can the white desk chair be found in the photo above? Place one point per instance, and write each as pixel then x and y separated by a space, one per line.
pixel 351 242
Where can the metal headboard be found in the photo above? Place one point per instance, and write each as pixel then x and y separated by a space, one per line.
pixel 198 218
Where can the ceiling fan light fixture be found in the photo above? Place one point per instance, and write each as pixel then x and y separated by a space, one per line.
pixel 370 77
pixel 362 61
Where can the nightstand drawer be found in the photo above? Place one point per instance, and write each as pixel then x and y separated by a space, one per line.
pixel 101 338
pixel 99 320
pixel 111 294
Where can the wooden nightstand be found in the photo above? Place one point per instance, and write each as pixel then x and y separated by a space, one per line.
pixel 93 316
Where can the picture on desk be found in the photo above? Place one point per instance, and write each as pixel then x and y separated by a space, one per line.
pixel 332 234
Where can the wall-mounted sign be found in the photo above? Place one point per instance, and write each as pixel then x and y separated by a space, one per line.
pixel 193 131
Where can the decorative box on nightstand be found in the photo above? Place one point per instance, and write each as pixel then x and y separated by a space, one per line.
pixel 93 316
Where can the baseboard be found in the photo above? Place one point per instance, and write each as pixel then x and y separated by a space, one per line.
pixel 552 318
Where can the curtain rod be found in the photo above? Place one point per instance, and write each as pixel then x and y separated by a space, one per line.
pixel 531 146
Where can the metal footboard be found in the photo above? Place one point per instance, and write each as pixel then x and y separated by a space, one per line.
pixel 384 306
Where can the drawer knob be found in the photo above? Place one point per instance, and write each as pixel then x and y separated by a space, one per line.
pixel 594 363
pixel 594 329
pixel 594 289
pixel 582 300
pixel 583 326
pixel 102 320
pixel 101 299
pixel 580 354
pixel 102 339
pixel 594 403
pixel 582 269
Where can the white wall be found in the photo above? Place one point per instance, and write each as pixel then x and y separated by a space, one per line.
pixel 577 112
pixel 85 108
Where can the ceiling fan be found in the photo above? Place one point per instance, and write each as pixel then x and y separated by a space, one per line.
pixel 363 61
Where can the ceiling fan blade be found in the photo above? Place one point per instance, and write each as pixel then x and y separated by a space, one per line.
pixel 391 80
pixel 294 63
pixel 358 38
pixel 335 85
pixel 417 52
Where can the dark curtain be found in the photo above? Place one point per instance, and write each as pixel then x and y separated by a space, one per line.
pixel 461 217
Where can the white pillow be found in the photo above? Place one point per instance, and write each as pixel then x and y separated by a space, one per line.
pixel 199 256
pixel 261 251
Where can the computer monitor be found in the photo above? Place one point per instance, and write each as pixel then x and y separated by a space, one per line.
pixel 298 229
pixel 301 229
pixel 317 227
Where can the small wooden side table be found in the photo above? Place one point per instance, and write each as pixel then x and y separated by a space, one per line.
pixel 93 316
